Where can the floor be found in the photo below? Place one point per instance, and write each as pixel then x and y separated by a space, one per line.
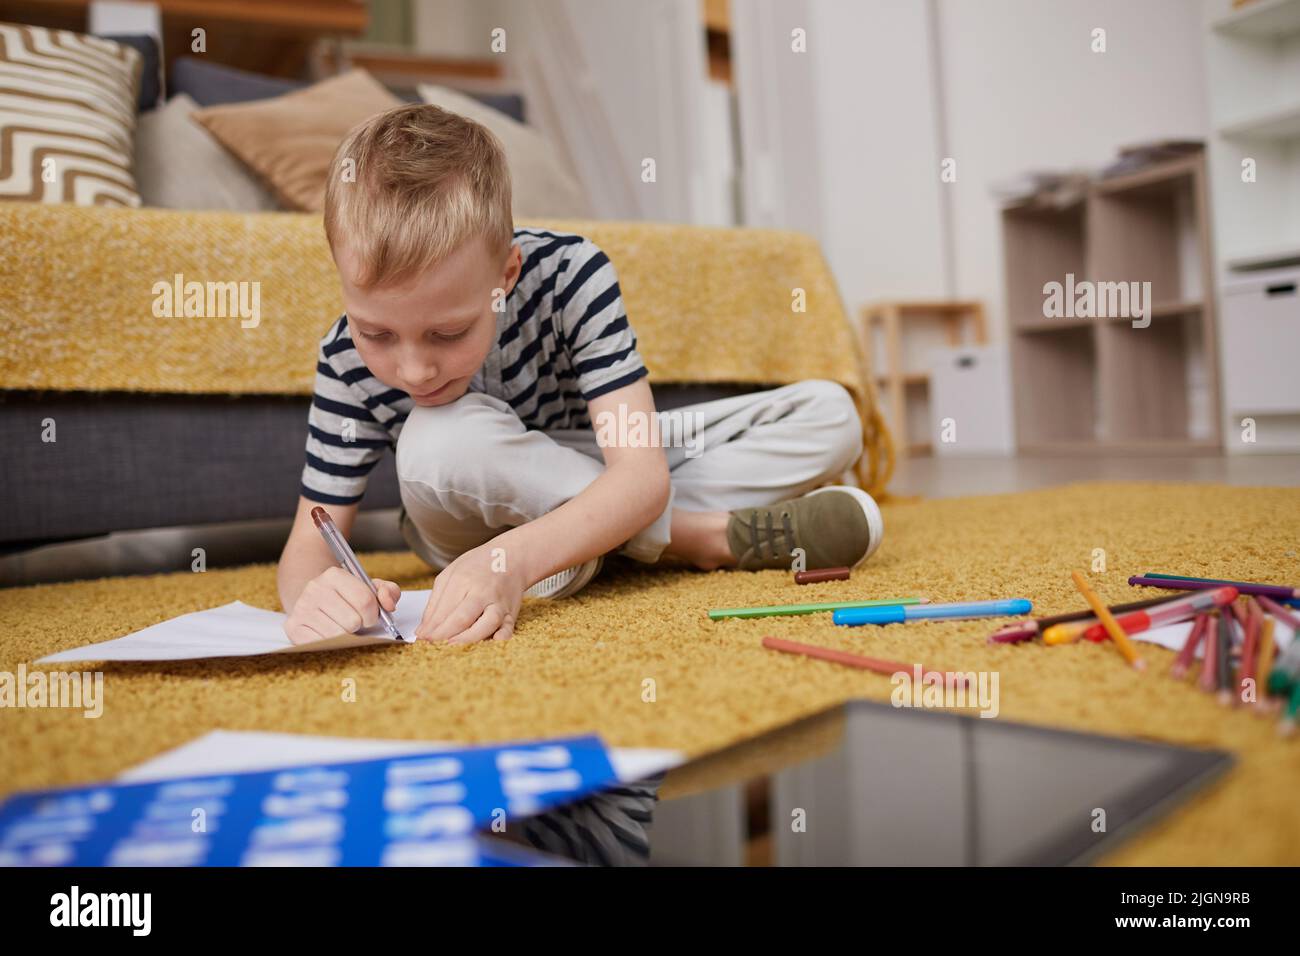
pixel 170 549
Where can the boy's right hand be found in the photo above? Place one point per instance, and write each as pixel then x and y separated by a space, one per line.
pixel 336 602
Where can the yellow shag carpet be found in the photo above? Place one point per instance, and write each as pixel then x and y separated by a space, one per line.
pixel 578 665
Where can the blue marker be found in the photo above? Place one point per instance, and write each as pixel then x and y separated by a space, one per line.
pixel 897 613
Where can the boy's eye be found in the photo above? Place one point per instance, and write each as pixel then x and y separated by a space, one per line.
pixel 452 337
pixel 374 337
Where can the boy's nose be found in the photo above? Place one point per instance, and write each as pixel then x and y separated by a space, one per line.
pixel 419 377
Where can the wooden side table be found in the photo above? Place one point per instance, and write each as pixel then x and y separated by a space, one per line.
pixel 956 315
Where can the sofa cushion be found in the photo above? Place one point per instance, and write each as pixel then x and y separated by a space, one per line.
pixel 211 84
pixel 151 66
pixel 290 140
pixel 67 117
pixel 543 186
pixel 178 165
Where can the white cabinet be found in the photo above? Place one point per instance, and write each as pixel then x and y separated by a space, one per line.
pixel 970 401
pixel 1260 338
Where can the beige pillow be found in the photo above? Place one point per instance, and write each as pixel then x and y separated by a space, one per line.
pixel 289 140
pixel 67 117
pixel 178 165
pixel 543 186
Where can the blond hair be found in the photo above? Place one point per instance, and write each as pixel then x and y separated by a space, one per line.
pixel 426 182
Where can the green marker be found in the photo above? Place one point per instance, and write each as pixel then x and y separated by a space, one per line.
pixel 780 610
pixel 1287 726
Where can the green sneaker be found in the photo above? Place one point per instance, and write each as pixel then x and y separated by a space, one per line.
pixel 837 526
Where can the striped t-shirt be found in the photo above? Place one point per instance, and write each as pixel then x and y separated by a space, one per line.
pixel 562 340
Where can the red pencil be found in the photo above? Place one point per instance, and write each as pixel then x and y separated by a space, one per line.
pixel 1280 612
pixel 846 658
pixel 1250 649
pixel 1183 662
pixel 1209 662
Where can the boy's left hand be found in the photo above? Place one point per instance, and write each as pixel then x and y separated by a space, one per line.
pixel 472 601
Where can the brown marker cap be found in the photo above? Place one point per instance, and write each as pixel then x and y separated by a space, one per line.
pixel 822 574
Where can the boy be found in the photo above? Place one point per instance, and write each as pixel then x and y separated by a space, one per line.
pixel 491 359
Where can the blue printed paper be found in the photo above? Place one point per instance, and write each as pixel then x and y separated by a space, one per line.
pixel 421 809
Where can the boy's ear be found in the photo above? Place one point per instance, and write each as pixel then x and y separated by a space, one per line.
pixel 514 265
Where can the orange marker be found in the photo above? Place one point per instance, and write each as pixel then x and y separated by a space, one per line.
pixel 1108 621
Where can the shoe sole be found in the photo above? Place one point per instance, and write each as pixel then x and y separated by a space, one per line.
pixel 564 583
pixel 875 520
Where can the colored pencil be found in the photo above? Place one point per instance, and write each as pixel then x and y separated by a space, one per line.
pixel 1028 630
pixel 1210 659
pixel 846 658
pixel 1280 613
pixel 1262 704
pixel 1223 669
pixel 1187 656
pixel 1279 592
pixel 1170 612
pixel 1108 621
pixel 784 609
pixel 1250 649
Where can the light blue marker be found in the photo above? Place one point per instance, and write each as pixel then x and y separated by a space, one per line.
pixel 897 614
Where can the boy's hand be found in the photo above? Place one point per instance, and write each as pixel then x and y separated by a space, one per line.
pixel 336 602
pixel 472 601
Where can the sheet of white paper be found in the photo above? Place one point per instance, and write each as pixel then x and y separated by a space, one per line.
pixel 233 630
pixel 1174 636
pixel 233 751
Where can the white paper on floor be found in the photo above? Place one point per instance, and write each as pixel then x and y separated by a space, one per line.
pixel 1174 636
pixel 234 630
pixel 245 751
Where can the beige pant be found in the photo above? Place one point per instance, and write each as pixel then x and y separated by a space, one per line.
pixel 470 470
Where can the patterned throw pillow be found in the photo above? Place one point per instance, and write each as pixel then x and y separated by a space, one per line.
pixel 67 117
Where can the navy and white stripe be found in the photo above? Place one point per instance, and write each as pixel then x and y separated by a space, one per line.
pixel 609 828
pixel 562 340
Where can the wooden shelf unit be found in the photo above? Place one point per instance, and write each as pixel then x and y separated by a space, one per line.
pixel 1096 383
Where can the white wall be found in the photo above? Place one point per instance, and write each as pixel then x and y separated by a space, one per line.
pixel 617 82
pixel 1015 87
pixel 1023 91
pixel 876 151
pixel 456 28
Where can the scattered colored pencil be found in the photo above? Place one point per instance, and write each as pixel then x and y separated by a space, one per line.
pixel 1249 649
pixel 1028 630
pixel 1171 612
pixel 1187 656
pixel 1210 659
pixel 1278 592
pixel 784 609
pixel 1223 669
pixel 1262 703
pixel 848 659
pixel 1108 621
pixel 1281 613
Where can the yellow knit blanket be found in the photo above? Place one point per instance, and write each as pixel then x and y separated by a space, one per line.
pixel 84 289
